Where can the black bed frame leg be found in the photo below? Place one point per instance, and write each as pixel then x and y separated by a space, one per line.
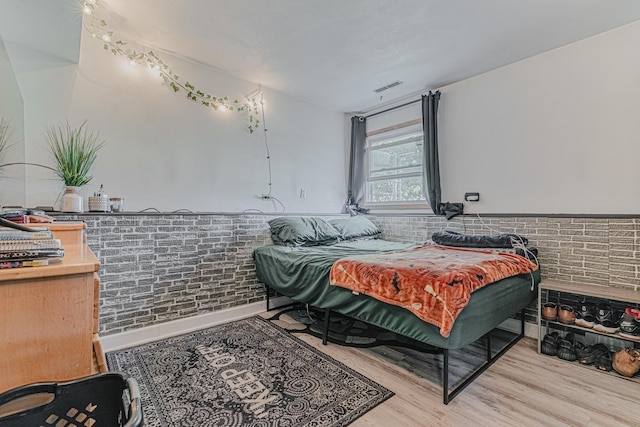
pixel 325 329
pixel 448 397
pixel 445 376
pixel 267 288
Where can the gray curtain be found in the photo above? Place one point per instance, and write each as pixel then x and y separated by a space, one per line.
pixel 357 178
pixel 431 163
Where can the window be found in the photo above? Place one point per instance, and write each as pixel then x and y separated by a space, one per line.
pixel 394 166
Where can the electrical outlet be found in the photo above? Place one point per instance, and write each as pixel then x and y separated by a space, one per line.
pixel 303 193
pixel 471 197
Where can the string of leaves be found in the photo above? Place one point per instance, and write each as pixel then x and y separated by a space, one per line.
pixel 99 29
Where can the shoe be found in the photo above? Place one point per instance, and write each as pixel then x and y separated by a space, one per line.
pixel 585 315
pixel 629 327
pixel 633 312
pixel 626 362
pixel 566 348
pixel 607 321
pixel 582 350
pixel 549 311
pixel 566 315
pixel 549 345
pixel 605 362
pixel 593 353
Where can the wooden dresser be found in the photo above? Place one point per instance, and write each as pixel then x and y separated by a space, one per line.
pixel 49 316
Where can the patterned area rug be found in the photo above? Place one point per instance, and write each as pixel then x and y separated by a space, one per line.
pixel 244 373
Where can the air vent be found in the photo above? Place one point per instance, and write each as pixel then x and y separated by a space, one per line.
pixel 389 86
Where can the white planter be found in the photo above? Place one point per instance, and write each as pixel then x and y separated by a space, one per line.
pixel 71 200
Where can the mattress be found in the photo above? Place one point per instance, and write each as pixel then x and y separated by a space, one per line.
pixel 302 274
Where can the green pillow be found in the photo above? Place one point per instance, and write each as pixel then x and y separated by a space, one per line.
pixel 302 231
pixel 355 227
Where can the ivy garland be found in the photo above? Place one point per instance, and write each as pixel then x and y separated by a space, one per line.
pixel 99 29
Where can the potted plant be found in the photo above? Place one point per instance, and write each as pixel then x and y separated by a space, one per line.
pixel 74 150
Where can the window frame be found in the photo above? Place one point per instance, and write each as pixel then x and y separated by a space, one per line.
pixel 397 129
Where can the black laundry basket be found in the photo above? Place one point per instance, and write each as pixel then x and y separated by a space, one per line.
pixel 110 399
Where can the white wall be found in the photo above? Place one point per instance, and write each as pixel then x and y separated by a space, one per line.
pixel 12 181
pixel 556 133
pixel 166 152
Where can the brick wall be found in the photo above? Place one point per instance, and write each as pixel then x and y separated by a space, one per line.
pixel 156 268
pixel 160 267
pixel 599 251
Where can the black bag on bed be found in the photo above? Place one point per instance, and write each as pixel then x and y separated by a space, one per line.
pixel 452 238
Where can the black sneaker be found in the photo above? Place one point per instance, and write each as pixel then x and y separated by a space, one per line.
pixel 549 345
pixel 607 320
pixel 585 315
pixel 629 327
pixel 567 349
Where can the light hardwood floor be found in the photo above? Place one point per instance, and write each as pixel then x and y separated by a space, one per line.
pixel 523 388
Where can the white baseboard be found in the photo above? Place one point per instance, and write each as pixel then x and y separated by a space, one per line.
pixel 181 326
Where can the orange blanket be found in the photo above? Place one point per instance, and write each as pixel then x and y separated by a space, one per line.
pixel 433 282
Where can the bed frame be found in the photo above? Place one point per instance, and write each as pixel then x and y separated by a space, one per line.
pixel 303 275
pixel 447 395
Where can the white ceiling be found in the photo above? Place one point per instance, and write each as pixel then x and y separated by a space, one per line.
pixel 41 33
pixel 332 53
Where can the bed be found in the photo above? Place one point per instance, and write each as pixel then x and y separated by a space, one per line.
pixel 301 272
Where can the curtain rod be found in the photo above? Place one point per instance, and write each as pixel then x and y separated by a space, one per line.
pixel 394 108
